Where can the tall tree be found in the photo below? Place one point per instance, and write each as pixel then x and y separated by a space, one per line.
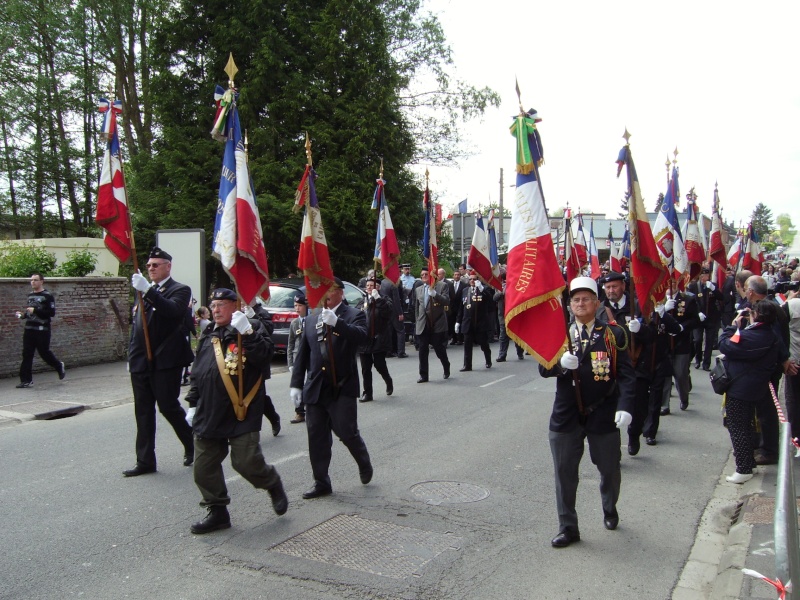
pixel 762 220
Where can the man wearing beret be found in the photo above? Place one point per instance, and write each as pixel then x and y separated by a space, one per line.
pixel 156 375
pixel 327 353
pixel 226 412
pixel 605 381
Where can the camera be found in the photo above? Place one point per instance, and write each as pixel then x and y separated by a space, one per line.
pixel 787 286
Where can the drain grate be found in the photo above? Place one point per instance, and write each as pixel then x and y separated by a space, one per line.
pixel 759 510
pixel 372 546
pixel 448 492
pixel 46 409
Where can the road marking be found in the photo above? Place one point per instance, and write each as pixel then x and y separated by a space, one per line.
pixel 497 381
pixel 279 461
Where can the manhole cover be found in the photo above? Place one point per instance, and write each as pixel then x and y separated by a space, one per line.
pixel 373 546
pixel 759 510
pixel 448 492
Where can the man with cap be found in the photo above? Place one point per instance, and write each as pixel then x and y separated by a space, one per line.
pixel 474 320
pixel 683 309
pixel 296 328
pixel 226 400
pixel 378 310
pixel 431 322
pixel 709 301
pixel 327 352
pixel 156 363
pixel 406 278
pixel 594 399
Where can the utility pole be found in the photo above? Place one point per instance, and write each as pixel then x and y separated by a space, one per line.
pixel 502 213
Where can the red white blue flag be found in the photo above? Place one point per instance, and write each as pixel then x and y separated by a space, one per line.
pixel 483 253
pixel 313 259
pixel 693 241
pixel 430 248
pixel 753 259
pixel 594 257
pixel 667 234
pixel 387 252
pixel 716 249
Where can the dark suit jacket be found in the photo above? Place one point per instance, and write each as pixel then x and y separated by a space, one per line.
pixel 687 314
pixel 166 311
pixel 434 313
pixel 474 312
pixel 349 333
pixel 708 302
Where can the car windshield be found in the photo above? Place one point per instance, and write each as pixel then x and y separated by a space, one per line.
pixel 281 297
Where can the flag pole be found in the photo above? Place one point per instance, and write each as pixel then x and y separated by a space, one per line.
pixel 375 259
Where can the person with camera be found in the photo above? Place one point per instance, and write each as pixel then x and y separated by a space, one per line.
pixel 39 310
pixel 752 353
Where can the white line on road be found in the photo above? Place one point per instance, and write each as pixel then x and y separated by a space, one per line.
pixel 279 461
pixel 497 381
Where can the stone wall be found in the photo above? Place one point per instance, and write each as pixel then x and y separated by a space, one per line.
pixel 91 324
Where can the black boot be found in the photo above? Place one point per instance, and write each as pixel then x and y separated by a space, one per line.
pixel 217 518
pixel 279 500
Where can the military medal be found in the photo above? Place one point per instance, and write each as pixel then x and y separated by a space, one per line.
pixel 231 360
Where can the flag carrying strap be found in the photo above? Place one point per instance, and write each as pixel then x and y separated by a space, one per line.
pixel 239 405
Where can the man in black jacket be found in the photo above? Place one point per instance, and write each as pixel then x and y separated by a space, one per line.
pixel 222 420
pixel 474 320
pixel 684 310
pixel 378 310
pixel 40 308
pixel 327 352
pixel 709 302
pixel 156 368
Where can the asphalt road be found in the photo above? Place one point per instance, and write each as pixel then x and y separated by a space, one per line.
pixel 74 527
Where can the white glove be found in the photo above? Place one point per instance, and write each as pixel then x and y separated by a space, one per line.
pixel 710 286
pixel 375 294
pixel 669 305
pixel 458 327
pixel 569 361
pixel 478 286
pixel 634 326
pixel 329 317
pixel 139 282
pixel 661 309
pixel 249 312
pixel 296 395
pixel 290 370
pixel 702 317
pixel 622 419
pixel 240 323
pixel 190 415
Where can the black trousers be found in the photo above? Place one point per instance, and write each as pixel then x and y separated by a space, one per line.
pixel 704 340
pixel 379 360
pixel 339 416
pixel 504 341
pixel 647 406
pixel 482 339
pixel 162 388
pixel 439 343
pixel 768 420
pixel 739 417
pixel 34 340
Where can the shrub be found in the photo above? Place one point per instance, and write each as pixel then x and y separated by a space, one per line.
pixel 80 262
pixel 20 260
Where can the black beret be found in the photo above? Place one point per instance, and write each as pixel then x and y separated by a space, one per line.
pixel 705 270
pixel 613 276
pixel 338 283
pixel 405 266
pixel 223 294
pixel 157 252
pixel 300 299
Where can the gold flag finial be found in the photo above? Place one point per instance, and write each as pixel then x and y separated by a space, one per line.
pixel 427 175
pixel 308 150
pixel 231 69
pixel 380 176
pixel 627 137
pixel 675 154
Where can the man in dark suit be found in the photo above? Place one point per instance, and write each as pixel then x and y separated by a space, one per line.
pixel 474 320
pixel 431 323
pixel 378 310
pixel 459 285
pixel 156 378
pixel 686 313
pixel 392 292
pixel 709 303
pixel 605 380
pixel 327 352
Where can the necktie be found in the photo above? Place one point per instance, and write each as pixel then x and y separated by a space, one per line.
pixel 616 307
pixel 584 338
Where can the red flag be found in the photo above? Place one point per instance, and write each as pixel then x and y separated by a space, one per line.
pixel 571 255
pixel 483 253
pixel 753 259
pixel 691 237
pixel 430 247
pixel 580 244
pixel 534 284
pixel 716 249
pixel 735 253
pixel 649 276
pixel 313 259
pixel 387 252
pixel 112 200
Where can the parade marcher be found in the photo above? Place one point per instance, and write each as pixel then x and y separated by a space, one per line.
pixel 709 302
pixel 500 300
pixel 729 298
pixel 223 421
pixel 296 328
pixel 459 284
pixel 40 308
pixel 602 406
pixel 406 278
pixel 686 313
pixel 474 321
pixel 258 311
pixel 362 283
pixel 378 310
pixel 156 380
pixel 751 360
pixel 431 323
pixel 327 353
pixel 394 294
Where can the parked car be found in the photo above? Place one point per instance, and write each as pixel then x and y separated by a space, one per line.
pixel 281 305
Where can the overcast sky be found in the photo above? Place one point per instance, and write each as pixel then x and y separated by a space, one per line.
pixel 717 80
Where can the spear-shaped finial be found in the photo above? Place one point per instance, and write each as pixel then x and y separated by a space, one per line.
pixel 675 154
pixel 380 176
pixel 427 176
pixel 230 70
pixel 519 95
pixel 627 137
pixel 308 151
pixel 246 147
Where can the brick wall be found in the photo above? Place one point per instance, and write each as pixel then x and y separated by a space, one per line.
pixel 91 324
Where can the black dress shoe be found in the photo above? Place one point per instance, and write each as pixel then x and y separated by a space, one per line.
pixel 365 398
pixel 317 492
pixel 276 426
pixel 217 518
pixel 697 366
pixel 706 368
pixel 664 412
pixel 564 539
pixel 280 503
pixel 520 357
pixel 500 359
pixel 138 470
pixel 651 441
pixel 684 405
pixel 462 369
pixel 188 459
pixel 423 380
pixel 402 355
pixel 390 388
pixel 365 475
pixel 611 523
pixel 633 446
pixel 489 365
pixel 447 373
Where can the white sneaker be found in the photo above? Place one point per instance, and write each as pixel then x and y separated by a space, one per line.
pixel 739 477
pixel 797 453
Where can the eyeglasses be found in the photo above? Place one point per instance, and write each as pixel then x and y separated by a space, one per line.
pixel 214 305
pixel 581 300
pixel 155 265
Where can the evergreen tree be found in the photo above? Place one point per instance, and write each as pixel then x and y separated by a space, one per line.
pixel 762 221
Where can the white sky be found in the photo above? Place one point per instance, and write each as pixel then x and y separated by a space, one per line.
pixel 719 80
